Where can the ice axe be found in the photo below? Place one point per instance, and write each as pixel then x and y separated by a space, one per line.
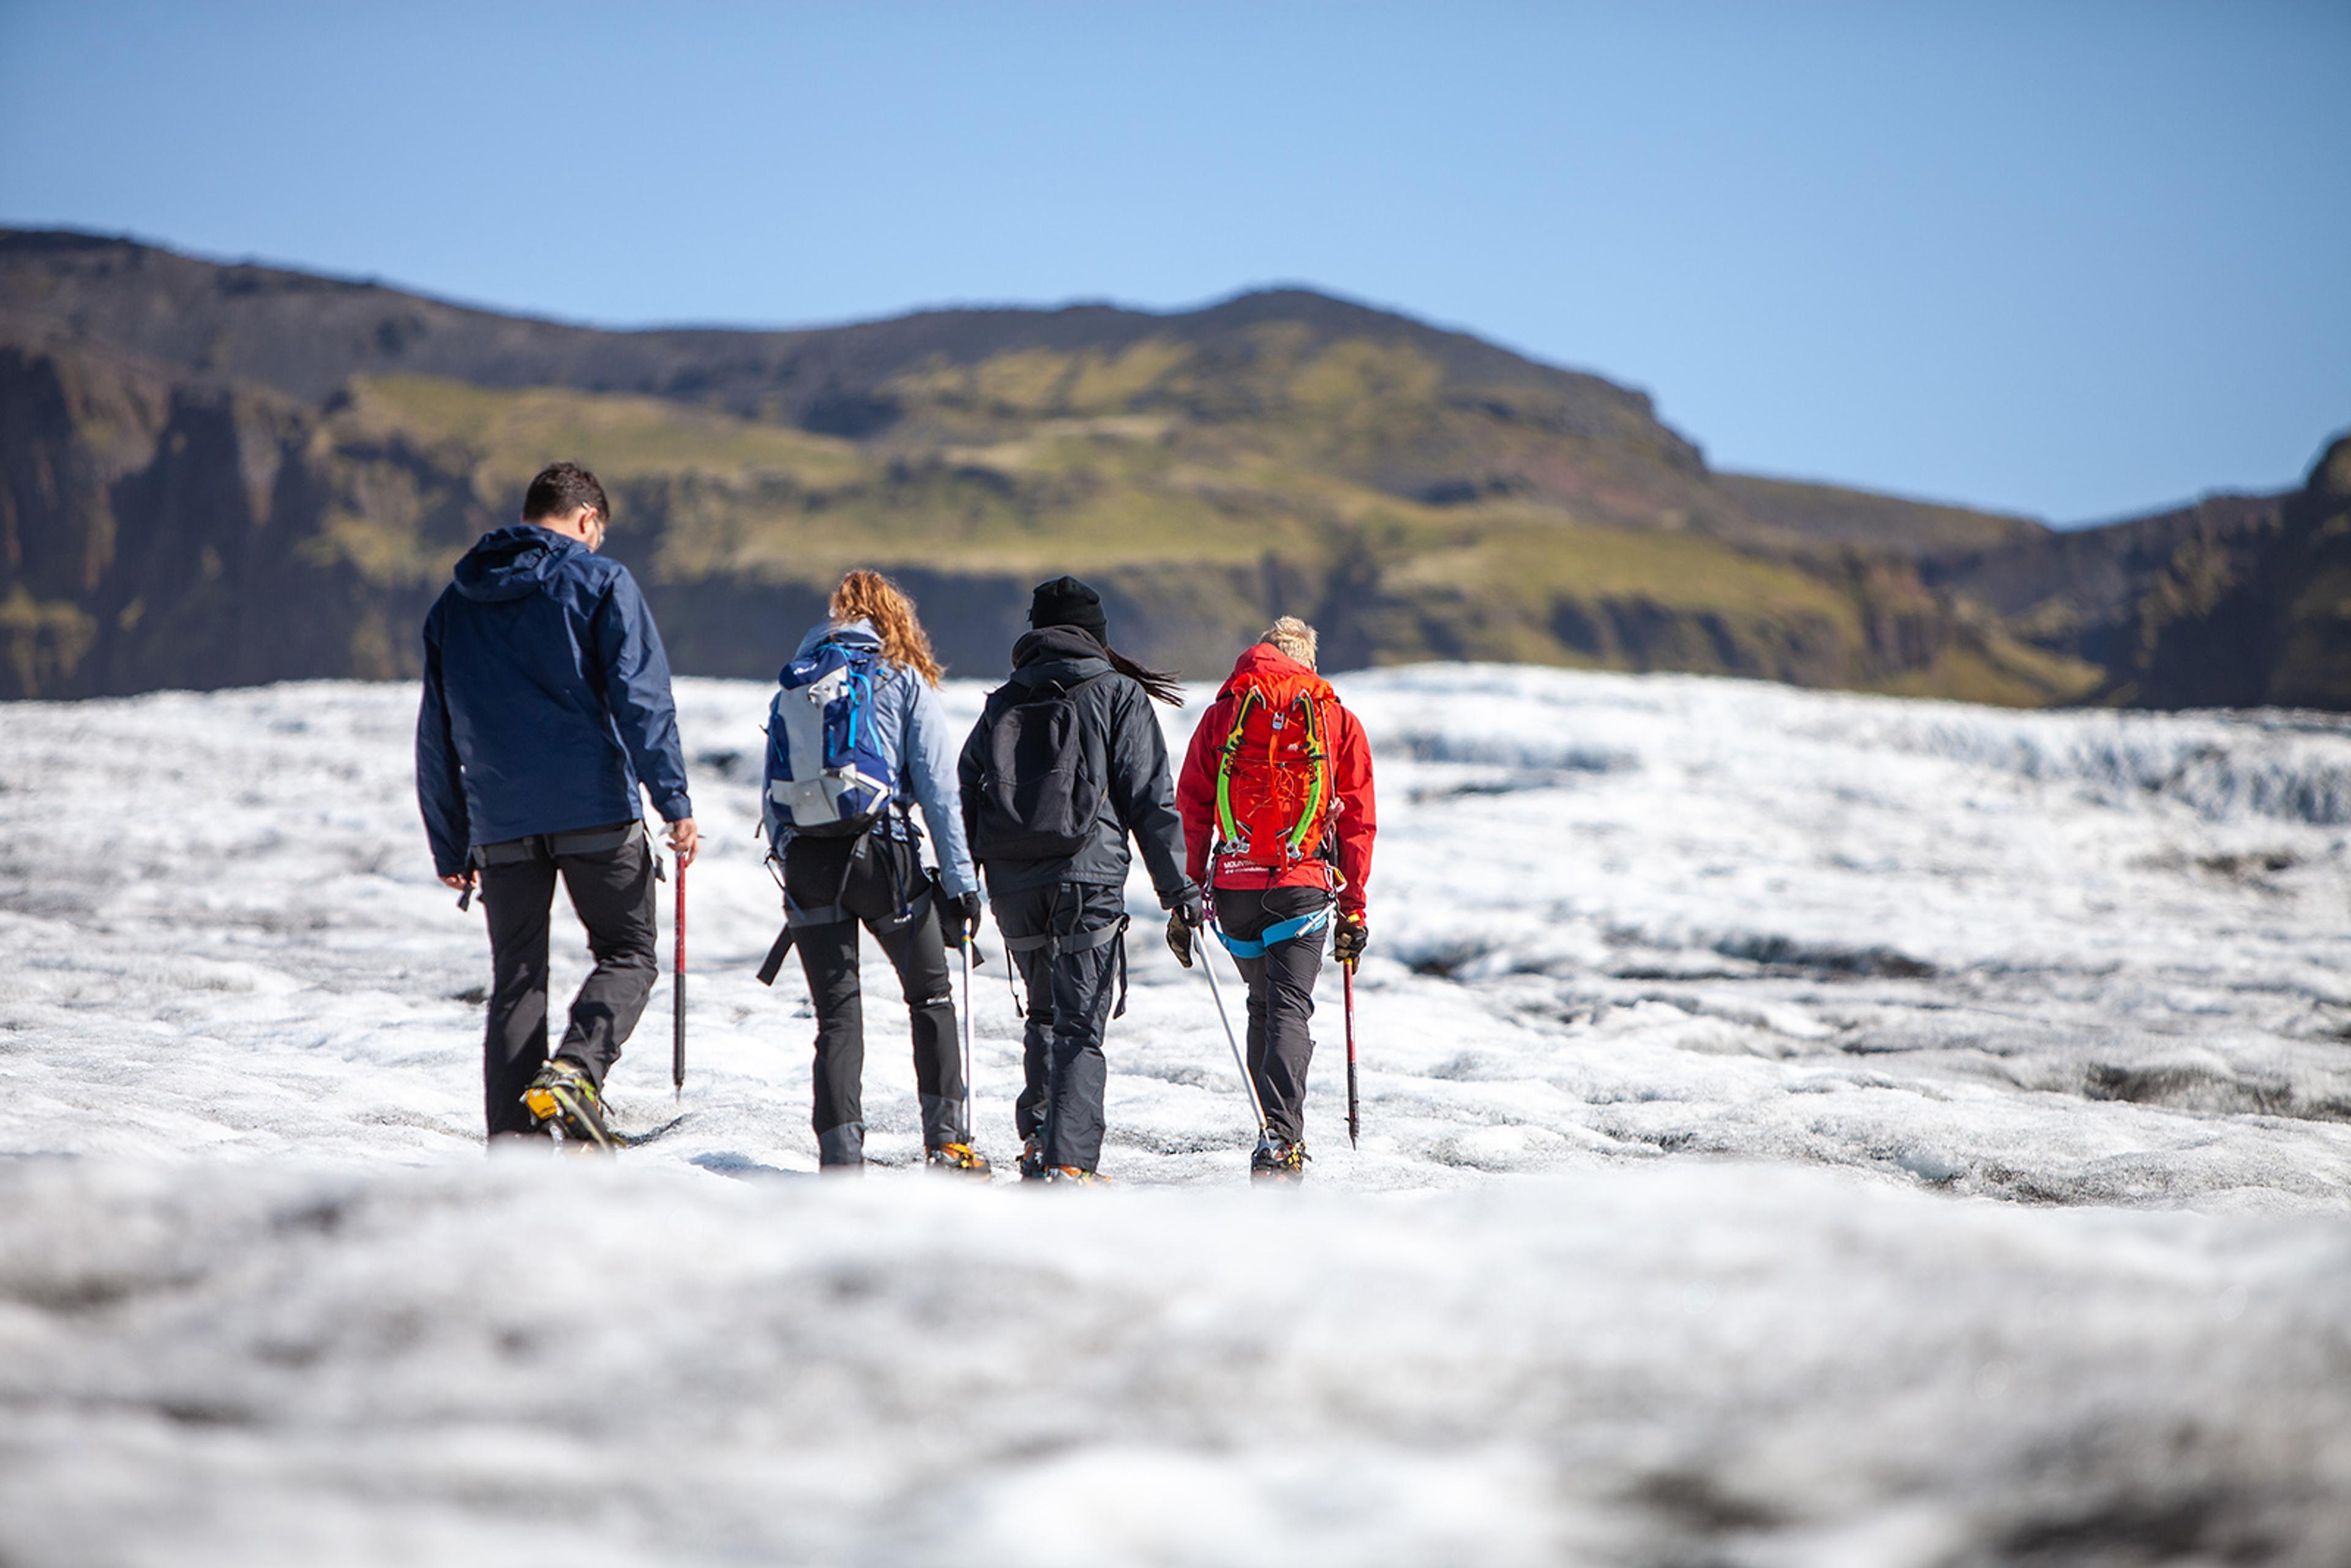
pixel 968 1125
pixel 1354 1114
pixel 677 996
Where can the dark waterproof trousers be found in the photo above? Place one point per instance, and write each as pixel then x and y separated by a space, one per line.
pixel 1070 977
pixel 1280 996
pixel 880 884
pixel 609 872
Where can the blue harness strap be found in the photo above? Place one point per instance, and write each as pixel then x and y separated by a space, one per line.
pixel 1279 932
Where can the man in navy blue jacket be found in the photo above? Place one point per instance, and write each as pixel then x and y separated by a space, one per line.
pixel 546 701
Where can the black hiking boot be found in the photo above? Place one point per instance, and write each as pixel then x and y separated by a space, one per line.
pixel 1276 1161
pixel 958 1159
pixel 1058 1175
pixel 563 1100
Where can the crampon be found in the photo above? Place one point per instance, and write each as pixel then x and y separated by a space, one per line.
pixel 1276 1161
pixel 958 1159
pixel 563 1100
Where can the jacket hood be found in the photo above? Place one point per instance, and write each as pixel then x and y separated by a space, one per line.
pixel 850 633
pixel 1057 655
pixel 512 562
pixel 1263 665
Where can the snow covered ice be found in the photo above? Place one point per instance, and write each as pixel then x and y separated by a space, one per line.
pixel 1799 1129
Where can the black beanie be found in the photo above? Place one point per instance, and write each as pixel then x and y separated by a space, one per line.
pixel 1066 601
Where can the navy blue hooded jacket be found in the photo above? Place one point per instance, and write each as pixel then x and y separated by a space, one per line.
pixel 546 698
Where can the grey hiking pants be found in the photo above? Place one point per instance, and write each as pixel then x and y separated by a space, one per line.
pixel 609 872
pixel 1070 977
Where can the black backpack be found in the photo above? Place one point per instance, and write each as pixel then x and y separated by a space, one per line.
pixel 1038 799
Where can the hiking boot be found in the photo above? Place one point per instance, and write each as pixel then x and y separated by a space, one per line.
pixel 1058 1173
pixel 563 1100
pixel 958 1159
pixel 1276 1161
pixel 1032 1159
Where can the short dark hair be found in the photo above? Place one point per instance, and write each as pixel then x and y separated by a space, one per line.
pixel 562 488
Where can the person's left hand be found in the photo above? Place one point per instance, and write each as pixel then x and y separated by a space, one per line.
pixel 1179 937
pixel 462 883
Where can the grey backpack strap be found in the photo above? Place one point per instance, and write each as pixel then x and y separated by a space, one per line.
pixel 775 959
pixel 1053 945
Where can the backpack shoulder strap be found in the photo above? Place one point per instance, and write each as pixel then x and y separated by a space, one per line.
pixel 1318 762
pixel 1228 830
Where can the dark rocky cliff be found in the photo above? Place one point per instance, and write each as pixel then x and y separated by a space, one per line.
pixel 2259 614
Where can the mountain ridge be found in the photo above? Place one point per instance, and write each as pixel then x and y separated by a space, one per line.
pixel 184 440
pixel 373 328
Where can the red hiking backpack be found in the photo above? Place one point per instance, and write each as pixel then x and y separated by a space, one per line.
pixel 1273 778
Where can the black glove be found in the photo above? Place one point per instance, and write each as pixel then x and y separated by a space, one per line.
pixel 964 925
pixel 1349 937
pixel 1182 920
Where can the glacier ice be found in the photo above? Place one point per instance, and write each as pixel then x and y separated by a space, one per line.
pixel 1800 1127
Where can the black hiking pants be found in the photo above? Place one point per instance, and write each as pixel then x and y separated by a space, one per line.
pixel 609 872
pixel 1280 996
pixel 878 882
pixel 1063 939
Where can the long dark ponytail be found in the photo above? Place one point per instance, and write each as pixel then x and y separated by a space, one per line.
pixel 1164 685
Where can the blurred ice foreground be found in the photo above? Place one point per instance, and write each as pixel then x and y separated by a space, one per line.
pixel 1799 1129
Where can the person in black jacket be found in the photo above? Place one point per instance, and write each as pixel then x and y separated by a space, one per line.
pixel 547 702
pixel 1063 911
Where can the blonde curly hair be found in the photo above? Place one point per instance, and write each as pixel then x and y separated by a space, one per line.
pixel 1294 637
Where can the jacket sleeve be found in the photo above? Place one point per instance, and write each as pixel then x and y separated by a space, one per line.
pixel 636 690
pixel 968 771
pixel 1196 789
pixel 1358 821
pixel 930 770
pixel 1144 793
pixel 440 784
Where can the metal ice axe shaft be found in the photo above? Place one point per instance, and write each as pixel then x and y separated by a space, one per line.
pixel 1354 1116
pixel 1256 1106
pixel 968 1127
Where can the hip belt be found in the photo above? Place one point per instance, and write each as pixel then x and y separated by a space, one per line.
pixel 1279 932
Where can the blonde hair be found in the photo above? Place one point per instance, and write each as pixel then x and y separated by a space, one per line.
pixel 1294 637
pixel 870 596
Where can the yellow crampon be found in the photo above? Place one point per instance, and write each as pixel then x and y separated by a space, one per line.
pixel 958 1159
pixel 563 1097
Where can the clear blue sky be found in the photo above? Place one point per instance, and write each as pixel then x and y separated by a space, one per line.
pixel 2072 259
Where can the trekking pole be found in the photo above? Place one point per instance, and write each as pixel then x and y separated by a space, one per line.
pixel 1256 1106
pixel 970 1128
pixel 1354 1115
pixel 677 996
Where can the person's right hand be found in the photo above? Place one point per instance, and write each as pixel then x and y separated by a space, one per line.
pixel 968 906
pixel 1349 937
pixel 684 840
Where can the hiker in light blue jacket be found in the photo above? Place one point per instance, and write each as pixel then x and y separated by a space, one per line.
pixel 855 743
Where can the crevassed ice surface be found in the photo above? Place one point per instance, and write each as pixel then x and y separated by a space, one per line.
pixel 1798 1129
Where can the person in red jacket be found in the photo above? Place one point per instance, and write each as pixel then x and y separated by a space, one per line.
pixel 1277 790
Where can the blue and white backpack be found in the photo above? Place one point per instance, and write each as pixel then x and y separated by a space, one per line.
pixel 824 776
